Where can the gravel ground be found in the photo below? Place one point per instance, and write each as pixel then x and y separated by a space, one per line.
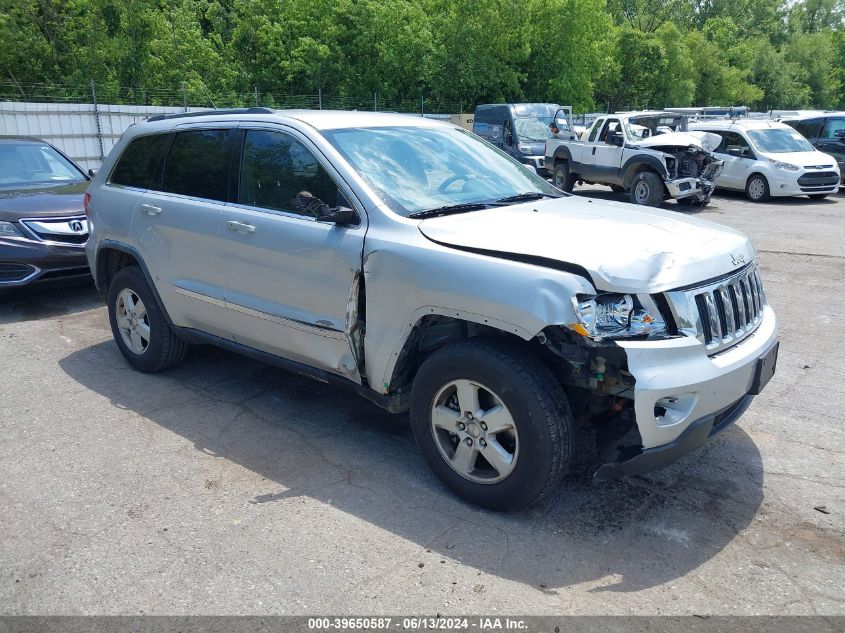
pixel 230 487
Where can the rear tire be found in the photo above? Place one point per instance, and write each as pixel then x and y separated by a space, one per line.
pixel 462 394
pixel 561 178
pixel 647 189
pixel 757 188
pixel 138 325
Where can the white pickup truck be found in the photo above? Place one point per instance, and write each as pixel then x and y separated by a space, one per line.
pixel 650 155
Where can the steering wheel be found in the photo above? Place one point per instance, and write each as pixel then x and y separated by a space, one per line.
pixel 452 179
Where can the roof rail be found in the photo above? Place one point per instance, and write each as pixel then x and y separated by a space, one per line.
pixel 181 115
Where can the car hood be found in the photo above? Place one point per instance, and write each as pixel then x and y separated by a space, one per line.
pixel 705 140
pixel 623 247
pixel 42 202
pixel 803 159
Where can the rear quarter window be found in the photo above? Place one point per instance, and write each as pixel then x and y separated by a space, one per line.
pixel 138 165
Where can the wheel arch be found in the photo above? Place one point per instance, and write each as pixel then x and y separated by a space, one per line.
pixel 111 257
pixel 637 164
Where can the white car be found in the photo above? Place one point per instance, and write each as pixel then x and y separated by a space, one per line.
pixel 766 158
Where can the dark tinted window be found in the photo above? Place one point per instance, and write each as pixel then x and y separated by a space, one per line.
pixel 810 129
pixel 138 165
pixel 278 172
pixel 198 164
pixel 831 127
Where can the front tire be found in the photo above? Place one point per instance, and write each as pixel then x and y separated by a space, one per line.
pixel 138 325
pixel 562 178
pixel 647 189
pixel 492 423
pixel 757 188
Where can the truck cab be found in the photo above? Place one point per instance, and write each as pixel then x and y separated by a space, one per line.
pixel 521 129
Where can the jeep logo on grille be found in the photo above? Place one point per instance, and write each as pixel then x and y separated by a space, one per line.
pixel 738 259
pixel 76 226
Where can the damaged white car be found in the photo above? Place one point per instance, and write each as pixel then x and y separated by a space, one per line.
pixel 649 155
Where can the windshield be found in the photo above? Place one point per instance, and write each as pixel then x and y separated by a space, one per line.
pixel 780 141
pixel 420 168
pixel 34 163
pixel 535 129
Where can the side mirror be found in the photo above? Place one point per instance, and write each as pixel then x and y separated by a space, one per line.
pixel 342 216
pixel 509 138
pixel 91 173
pixel 554 128
pixel 734 151
pixel 617 139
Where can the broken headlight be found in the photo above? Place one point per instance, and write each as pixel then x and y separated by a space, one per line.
pixel 616 316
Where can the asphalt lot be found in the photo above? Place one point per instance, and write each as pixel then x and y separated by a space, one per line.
pixel 230 487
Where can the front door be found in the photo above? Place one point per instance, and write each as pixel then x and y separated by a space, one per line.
pixel 606 158
pixel 738 156
pixel 290 278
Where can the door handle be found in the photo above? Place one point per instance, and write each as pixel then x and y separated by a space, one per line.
pixel 241 227
pixel 149 209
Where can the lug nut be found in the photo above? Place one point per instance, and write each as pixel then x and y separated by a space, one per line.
pixel 469 415
pixel 483 426
pixel 468 441
pixel 461 426
pixel 483 443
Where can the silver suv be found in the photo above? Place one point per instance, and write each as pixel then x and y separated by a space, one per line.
pixel 410 261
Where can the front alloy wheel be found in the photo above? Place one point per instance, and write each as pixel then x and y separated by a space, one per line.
pixel 474 431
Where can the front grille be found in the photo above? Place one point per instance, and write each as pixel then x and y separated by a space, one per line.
pixel 819 179
pixel 15 272
pixel 723 312
pixel 72 230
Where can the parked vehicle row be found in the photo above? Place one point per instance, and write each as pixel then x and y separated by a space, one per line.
pixel 827 134
pixel 411 261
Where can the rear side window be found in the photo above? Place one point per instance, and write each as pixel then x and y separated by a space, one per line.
pixel 138 165
pixel 810 129
pixel 198 164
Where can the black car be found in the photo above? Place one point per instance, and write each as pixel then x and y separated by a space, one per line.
pixel 827 134
pixel 43 228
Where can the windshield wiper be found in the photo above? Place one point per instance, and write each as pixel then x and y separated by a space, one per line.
pixel 526 197
pixel 448 210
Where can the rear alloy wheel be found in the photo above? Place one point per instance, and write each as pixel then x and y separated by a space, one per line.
pixel 562 179
pixel 647 189
pixel 757 188
pixel 139 327
pixel 492 423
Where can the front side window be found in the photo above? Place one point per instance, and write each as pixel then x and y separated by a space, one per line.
pixel 24 164
pixel 138 164
pixel 278 172
pixel 832 126
pixel 198 165
pixel 596 127
pixel 731 141
pixel 414 169
pixel 779 141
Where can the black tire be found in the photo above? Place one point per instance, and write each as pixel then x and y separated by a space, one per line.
pixel 537 405
pixel 164 348
pixel 561 178
pixel 617 188
pixel 757 188
pixel 818 196
pixel 647 189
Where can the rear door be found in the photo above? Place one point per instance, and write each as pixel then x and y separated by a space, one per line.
pixel 289 278
pixel 176 225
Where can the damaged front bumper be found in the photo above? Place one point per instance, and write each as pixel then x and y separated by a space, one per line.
pixel 696 188
pixel 682 396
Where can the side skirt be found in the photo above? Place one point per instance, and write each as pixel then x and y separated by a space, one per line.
pixel 394 403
